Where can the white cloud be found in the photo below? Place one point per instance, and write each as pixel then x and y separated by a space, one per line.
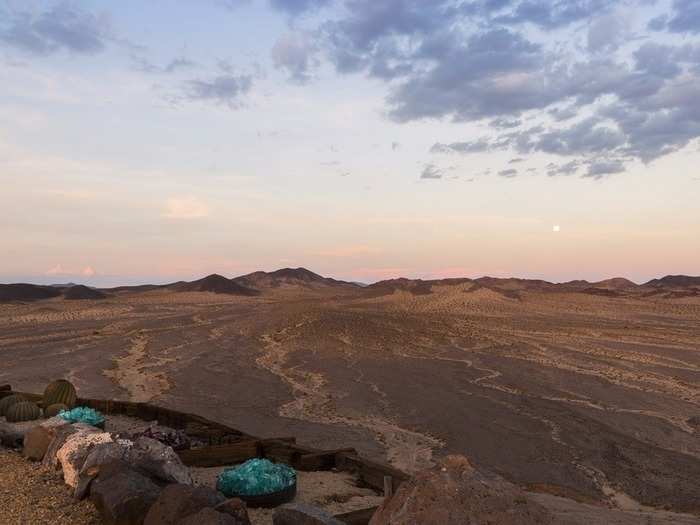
pixel 56 270
pixel 187 207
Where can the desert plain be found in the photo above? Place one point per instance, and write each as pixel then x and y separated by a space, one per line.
pixel 589 391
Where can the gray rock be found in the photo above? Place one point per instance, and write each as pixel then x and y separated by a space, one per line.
pixel 178 501
pixel 235 507
pixel 122 495
pixel 10 435
pixel 159 460
pixel 302 514
pixel 208 517
pixel 148 456
pixel 100 455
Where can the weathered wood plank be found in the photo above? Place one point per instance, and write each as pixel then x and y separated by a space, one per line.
pixel 223 455
pixel 369 472
pixel 324 460
pixel 220 455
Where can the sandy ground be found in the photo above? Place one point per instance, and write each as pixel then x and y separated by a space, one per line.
pixel 590 397
pixel 335 492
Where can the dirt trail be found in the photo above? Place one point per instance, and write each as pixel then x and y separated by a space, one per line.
pixel 407 450
pixel 132 374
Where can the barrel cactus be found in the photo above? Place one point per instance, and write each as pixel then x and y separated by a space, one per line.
pixel 23 411
pixel 53 410
pixel 60 391
pixel 7 402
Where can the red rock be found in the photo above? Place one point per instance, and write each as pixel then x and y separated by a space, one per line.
pixel 455 493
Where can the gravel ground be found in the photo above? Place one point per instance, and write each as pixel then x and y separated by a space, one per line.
pixel 30 494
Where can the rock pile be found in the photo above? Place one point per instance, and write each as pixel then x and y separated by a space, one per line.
pixel 130 481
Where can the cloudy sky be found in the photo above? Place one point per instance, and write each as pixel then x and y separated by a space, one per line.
pixel 364 139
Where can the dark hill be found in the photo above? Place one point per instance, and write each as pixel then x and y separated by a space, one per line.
pixel 288 277
pixel 27 292
pixel 80 292
pixel 616 283
pixel 675 281
pixel 217 284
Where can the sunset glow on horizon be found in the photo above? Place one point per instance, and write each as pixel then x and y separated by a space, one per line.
pixel 160 141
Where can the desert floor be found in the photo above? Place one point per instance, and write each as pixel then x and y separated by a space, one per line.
pixel 593 398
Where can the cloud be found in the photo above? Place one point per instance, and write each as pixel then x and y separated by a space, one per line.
pixel 88 271
pixel 509 173
pixel 224 90
pixel 294 52
pixel 175 65
pixel 606 33
pixel 55 270
pixel 185 208
pixel 686 17
pixel 63 27
pixel 599 169
pixel 480 61
pixel 552 14
pixel 430 171
pixel 297 7
pixel 478 146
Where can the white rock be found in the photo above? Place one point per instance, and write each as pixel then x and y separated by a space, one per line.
pixel 75 450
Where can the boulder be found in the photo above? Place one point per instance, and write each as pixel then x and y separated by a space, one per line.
pixel 75 450
pixel 302 514
pixel 456 493
pixel 178 501
pixel 100 455
pixel 38 438
pixel 11 435
pixel 235 507
pixel 61 435
pixel 159 460
pixel 208 517
pixel 122 495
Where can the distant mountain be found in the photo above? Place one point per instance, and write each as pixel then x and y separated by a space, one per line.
pixel 134 288
pixel 675 281
pixel 27 292
pixel 616 283
pixel 80 292
pixel 214 283
pixel 288 277
pixel 62 285
pixel 389 286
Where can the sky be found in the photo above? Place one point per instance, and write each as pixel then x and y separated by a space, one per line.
pixel 363 139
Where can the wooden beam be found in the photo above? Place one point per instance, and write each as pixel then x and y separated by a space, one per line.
pixel 220 455
pixel 357 517
pixel 234 453
pixel 324 460
pixel 371 473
